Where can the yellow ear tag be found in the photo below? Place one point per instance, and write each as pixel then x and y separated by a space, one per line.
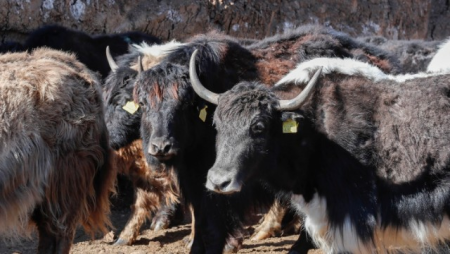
pixel 290 126
pixel 131 107
pixel 203 113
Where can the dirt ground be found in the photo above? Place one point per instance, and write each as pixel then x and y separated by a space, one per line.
pixel 168 241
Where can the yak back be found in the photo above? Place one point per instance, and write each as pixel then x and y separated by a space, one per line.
pixel 398 128
pixel 279 54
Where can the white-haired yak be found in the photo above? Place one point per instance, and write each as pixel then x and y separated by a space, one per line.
pixel 55 160
pixel 365 155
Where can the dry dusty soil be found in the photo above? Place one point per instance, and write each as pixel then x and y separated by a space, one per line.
pixel 164 241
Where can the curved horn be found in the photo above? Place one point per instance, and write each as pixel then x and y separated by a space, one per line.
pixel 111 62
pixel 140 67
pixel 301 98
pixel 197 85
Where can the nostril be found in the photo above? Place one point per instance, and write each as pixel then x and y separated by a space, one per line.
pixel 223 185
pixel 167 148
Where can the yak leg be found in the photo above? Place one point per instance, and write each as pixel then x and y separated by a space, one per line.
pixel 144 204
pixel 167 215
pixel 221 224
pixel 53 239
pixel 303 244
pixel 234 243
pixel 195 240
pixel 190 238
pixel 292 222
pixel 271 225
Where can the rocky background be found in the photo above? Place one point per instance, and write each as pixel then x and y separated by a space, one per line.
pixel 179 19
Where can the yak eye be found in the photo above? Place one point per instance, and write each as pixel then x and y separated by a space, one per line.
pixel 258 127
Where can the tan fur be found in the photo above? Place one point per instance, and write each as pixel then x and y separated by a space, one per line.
pixel 152 188
pixel 54 160
pixel 271 224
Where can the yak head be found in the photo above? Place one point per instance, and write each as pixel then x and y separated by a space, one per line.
pixel 122 114
pixel 250 121
pixel 171 122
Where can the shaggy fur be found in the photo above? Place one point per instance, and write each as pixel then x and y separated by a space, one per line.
pixel 152 189
pixel 368 166
pixel 414 55
pixel 304 71
pixel 439 63
pixel 279 54
pixel 124 131
pixel 55 165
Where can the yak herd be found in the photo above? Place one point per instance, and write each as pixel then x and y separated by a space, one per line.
pixel 342 137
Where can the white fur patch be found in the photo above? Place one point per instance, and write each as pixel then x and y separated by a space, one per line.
pixel 157 50
pixel 304 71
pixel 440 61
pixel 413 239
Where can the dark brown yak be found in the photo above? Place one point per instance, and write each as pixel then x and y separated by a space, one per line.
pixel 155 193
pixel 55 169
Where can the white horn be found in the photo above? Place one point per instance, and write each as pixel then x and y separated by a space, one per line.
pixel 197 85
pixel 301 98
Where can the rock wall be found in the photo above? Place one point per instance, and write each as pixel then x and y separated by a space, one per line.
pixel 169 19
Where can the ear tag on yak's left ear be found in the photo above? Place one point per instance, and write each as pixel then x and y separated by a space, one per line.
pixel 131 107
pixel 290 126
pixel 203 113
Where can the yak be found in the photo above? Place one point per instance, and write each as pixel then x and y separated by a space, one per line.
pixel 154 192
pixel 278 54
pixel 56 166
pixel 364 156
pixel 176 125
pixel 414 55
pixel 89 50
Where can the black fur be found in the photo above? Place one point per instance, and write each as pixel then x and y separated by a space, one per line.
pixel 398 183
pixel 90 50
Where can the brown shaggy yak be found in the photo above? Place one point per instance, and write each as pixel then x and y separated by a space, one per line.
pixel 55 160
pixel 152 189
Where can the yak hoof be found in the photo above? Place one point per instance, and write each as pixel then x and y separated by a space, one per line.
pixel 161 223
pixel 262 234
pixel 121 242
pixel 188 241
pixel 229 248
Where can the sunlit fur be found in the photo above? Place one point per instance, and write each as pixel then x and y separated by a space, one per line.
pixel 55 166
pixel 440 61
pixel 304 71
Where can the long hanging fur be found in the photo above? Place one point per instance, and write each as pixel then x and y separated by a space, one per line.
pixel 55 156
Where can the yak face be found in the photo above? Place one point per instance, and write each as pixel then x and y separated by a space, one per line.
pixel 170 115
pixel 122 116
pixel 244 119
pixel 252 135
